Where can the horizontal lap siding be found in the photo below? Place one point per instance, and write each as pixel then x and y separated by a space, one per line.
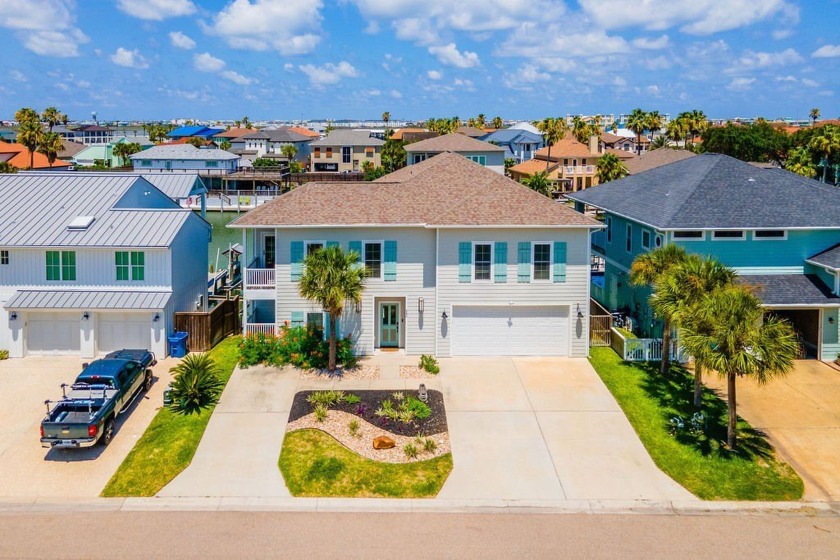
pixel 451 292
pixel 415 279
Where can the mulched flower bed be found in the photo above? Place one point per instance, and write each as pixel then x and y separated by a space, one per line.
pixel 371 400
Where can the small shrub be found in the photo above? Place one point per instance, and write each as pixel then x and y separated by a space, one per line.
pixel 386 409
pixel 352 399
pixel 327 398
pixel 353 428
pixel 410 450
pixel 430 364
pixel 398 396
pixel 302 347
pixel 320 411
pixel 195 385
pixel 420 409
pixel 4 354
pixel 429 445
pixel 362 410
pixel 407 411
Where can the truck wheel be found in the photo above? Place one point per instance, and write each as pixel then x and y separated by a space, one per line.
pixel 108 433
pixel 147 382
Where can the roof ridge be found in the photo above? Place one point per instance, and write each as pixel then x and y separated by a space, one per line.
pixel 698 179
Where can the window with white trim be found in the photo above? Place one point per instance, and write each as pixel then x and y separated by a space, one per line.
pixel 689 235
pixel 541 257
pixel 345 154
pixel 312 246
pixel 728 235
pixel 373 258
pixel 628 243
pixel 417 158
pixel 482 261
pixel 481 160
pixel 769 234
pixel 645 239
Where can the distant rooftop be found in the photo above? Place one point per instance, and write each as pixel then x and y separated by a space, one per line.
pixel 185 152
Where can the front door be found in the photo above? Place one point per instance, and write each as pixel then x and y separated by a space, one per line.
pixel 389 325
pixel 269 251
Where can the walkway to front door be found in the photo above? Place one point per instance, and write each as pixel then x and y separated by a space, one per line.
pixel 389 324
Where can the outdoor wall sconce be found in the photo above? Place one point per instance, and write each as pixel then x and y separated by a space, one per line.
pixel 831 320
pixel 420 305
pixel 444 316
pixel 579 313
pixel 13 316
pixel 85 316
pixel 156 318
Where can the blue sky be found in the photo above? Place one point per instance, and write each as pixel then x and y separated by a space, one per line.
pixel 292 59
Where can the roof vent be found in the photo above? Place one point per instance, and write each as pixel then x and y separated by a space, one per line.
pixel 81 223
pixel 751 180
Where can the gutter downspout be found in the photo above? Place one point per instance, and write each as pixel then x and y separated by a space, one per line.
pixel 437 273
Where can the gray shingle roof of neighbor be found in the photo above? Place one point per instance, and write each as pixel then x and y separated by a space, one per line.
pixel 78 299
pixel 453 142
pixel 183 151
pixel 791 289
pixel 344 137
pixel 829 258
pixel 39 207
pixel 277 135
pixel 714 191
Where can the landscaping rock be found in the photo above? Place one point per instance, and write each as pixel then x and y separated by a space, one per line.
pixel 383 442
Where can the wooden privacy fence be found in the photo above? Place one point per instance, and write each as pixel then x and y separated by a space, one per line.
pixel 207 329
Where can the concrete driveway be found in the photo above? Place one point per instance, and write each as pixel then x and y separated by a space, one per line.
pixel 27 469
pixel 801 415
pixel 521 429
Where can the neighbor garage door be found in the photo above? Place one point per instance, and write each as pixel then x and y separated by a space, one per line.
pixel 54 333
pixel 124 330
pixel 510 331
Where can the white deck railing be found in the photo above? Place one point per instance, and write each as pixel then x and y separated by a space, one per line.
pixel 257 328
pixel 259 278
pixel 644 349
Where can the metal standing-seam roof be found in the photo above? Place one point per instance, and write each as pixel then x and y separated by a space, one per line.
pixel 176 185
pixel 39 207
pixel 77 299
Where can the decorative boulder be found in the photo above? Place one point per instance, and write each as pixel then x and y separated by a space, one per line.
pixel 383 442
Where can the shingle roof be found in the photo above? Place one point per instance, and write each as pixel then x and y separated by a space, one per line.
pixel 38 207
pixel 829 258
pixel 567 147
pixel 445 190
pixel 344 137
pixel 532 166
pixel 235 132
pixel 78 299
pixel 278 135
pixel 470 131
pixel 305 131
pixel 513 135
pixel 656 158
pixel 791 289
pixel 713 191
pixel 453 142
pixel 183 151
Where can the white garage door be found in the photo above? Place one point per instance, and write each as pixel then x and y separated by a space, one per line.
pixel 510 331
pixel 54 333
pixel 124 330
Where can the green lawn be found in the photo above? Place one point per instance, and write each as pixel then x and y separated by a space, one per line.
pixel 314 464
pixel 170 441
pixel 698 462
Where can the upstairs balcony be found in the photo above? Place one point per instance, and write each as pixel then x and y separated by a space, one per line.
pixel 258 276
pixel 578 169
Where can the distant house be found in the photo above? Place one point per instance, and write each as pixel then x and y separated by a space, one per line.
pixel 232 134
pixel 656 158
pixel 95 263
pixel 193 131
pixel 8 134
pixel 413 134
pixel 18 157
pixel 104 153
pixel 268 143
pixel 471 131
pixel 483 153
pixel 345 150
pixel 524 125
pixel 624 140
pixel 87 134
pixel 167 158
pixel 305 131
pixel 70 149
pixel 520 145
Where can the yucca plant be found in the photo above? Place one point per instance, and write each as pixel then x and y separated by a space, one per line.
pixel 196 384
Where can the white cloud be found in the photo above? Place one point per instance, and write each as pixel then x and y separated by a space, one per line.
pixel 656 63
pixel 18 76
pixel 740 84
pixel 181 41
pixel 652 44
pixel 236 78
pixel 790 79
pixel 129 59
pixel 156 10
pixel 329 73
pixel 827 51
pixel 372 92
pixel 619 81
pixel 289 27
pixel 653 90
pixel 700 17
pixel 451 56
pixel 395 94
pixel 536 41
pixel 288 67
pixel 45 27
pixel 751 61
pixel 206 62
pixel 434 74
pixel 783 33
pixel 808 82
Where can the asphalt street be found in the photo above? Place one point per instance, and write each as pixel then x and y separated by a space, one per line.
pixel 415 535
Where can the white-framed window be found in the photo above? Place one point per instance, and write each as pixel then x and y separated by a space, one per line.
pixel 609 229
pixel 315 319
pixel 481 160
pixel 770 234
pixel 689 235
pixel 729 235
pixel 645 239
pixel 417 158
pixel 628 242
pixel 372 253
pixel 345 154
pixel 4 256
pixel 541 253
pixel 310 247
pixel 482 261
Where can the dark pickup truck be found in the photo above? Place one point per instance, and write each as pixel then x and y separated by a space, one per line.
pixel 105 388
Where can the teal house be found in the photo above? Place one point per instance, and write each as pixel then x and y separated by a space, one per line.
pixel 778 230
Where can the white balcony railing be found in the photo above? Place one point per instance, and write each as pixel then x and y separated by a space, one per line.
pixel 578 169
pixel 259 278
pixel 257 328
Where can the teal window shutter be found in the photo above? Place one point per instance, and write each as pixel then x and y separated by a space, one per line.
pixel 296 260
pixel 390 261
pixel 559 261
pixel 464 261
pixel 356 247
pixel 332 243
pixel 297 318
pixel 327 326
pixel 501 260
pixel 524 261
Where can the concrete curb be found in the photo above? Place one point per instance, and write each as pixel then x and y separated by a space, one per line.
pixel 366 505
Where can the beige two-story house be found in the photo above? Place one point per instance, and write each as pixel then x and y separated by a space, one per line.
pixel 344 151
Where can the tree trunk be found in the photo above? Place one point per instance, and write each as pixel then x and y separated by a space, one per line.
pixel 698 385
pixel 665 365
pixel 31 159
pixel 639 144
pixel 548 161
pixel 731 430
pixel 333 318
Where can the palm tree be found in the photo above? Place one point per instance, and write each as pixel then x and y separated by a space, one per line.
pixel 224 145
pixel 653 269
pixel 610 168
pixel 481 120
pixel 29 131
pixel 740 340
pixel 801 162
pixel 553 130
pixel 246 122
pixel 826 143
pixel 580 129
pixel 51 116
pixel 289 151
pixel 637 122
pixel 814 114
pixel 697 122
pixel 654 121
pixel 497 122
pixel 538 182
pixel 332 278
pixel 386 116
pixel 683 292
pixel 677 129
pixel 51 143
pixel 659 142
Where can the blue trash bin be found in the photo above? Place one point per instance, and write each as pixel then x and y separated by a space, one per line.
pixel 178 344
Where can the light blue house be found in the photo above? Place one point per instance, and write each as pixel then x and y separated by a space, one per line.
pixel 778 230
pixel 519 145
